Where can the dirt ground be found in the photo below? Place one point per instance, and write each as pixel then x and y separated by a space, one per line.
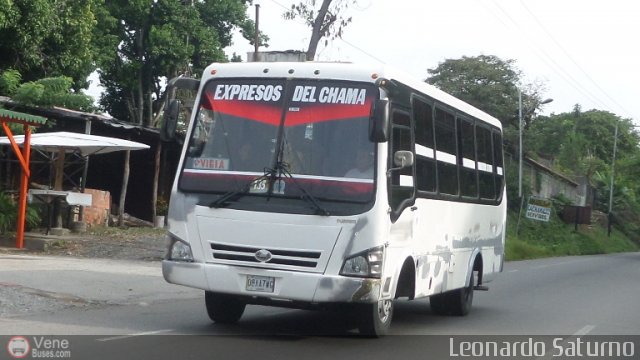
pixel 134 243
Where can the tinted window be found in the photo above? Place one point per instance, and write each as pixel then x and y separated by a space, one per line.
pixel 468 173
pixel 485 163
pixel 446 154
pixel 497 155
pixel 425 159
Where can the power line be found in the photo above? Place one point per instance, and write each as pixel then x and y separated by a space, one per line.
pixel 571 58
pixel 550 61
pixel 547 59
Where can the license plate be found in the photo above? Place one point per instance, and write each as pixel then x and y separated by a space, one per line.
pixel 260 283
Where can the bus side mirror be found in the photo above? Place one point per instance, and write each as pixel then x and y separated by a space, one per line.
pixel 170 121
pixel 379 121
pixel 402 159
pixel 172 109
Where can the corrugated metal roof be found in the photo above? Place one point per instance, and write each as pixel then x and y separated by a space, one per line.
pixel 18 117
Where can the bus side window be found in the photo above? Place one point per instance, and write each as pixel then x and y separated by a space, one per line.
pixel 485 163
pixel 467 159
pixel 425 157
pixel 446 153
pixel 498 161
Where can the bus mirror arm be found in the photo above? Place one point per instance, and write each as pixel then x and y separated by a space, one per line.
pixel 401 159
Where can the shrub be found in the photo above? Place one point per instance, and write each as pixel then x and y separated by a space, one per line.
pixel 9 214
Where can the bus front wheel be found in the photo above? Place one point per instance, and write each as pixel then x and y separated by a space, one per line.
pixel 222 308
pixel 375 319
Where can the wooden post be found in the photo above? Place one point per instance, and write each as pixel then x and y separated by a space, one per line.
pixel 125 183
pixel 57 185
pixel 156 178
pixel 24 187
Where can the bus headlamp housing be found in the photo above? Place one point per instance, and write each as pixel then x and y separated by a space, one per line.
pixel 178 249
pixel 364 264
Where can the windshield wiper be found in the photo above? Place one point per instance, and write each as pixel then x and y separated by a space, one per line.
pixel 306 195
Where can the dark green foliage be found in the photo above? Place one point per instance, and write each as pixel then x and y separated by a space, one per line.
pixel 10 81
pixel 49 92
pixel 44 38
pixel 581 144
pixel 9 214
pixel 488 83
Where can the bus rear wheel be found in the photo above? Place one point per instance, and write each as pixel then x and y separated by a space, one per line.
pixel 456 302
pixel 375 319
pixel 223 308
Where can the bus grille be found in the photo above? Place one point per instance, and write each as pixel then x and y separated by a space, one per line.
pixel 298 258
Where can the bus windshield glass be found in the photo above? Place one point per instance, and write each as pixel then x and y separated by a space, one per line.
pixel 315 131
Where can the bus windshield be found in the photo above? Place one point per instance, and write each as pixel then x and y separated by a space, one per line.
pixel 316 130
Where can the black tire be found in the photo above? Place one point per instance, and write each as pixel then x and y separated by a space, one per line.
pixel 440 304
pixel 222 308
pixel 462 299
pixel 456 302
pixel 374 320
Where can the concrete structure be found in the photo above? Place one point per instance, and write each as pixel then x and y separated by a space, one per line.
pixel 546 182
pixel 278 56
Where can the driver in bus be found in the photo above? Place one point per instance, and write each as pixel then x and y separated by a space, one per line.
pixel 364 166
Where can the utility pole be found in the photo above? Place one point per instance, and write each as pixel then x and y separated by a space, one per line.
pixel 520 146
pixel 613 164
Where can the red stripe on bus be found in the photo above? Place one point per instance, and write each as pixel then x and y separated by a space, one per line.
pixel 271 115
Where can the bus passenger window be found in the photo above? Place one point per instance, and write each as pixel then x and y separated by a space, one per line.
pixel 467 160
pixel 497 155
pixel 425 157
pixel 485 163
pixel 446 153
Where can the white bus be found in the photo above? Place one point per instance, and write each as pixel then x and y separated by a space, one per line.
pixel 311 185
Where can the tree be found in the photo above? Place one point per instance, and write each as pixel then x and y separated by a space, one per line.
pixel 581 143
pixel 142 41
pixel 488 83
pixel 54 91
pixel 575 137
pixel 47 92
pixel 44 38
pixel 325 21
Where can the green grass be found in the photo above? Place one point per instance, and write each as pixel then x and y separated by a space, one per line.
pixel 536 239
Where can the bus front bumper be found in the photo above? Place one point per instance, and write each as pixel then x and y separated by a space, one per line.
pixel 288 286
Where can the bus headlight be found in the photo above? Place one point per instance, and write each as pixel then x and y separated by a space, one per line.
pixel 178 249
pixel 365 264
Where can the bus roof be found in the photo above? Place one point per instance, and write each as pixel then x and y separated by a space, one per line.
pixel 341 71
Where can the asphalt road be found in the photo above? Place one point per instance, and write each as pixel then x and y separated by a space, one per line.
pixel 118 302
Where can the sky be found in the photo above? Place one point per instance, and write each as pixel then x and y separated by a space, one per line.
pixel 585 52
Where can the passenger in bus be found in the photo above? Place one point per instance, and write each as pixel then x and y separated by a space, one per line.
pixel 364 166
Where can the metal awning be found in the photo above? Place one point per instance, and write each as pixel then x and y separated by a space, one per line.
pixel 22 118
pixel 83 144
